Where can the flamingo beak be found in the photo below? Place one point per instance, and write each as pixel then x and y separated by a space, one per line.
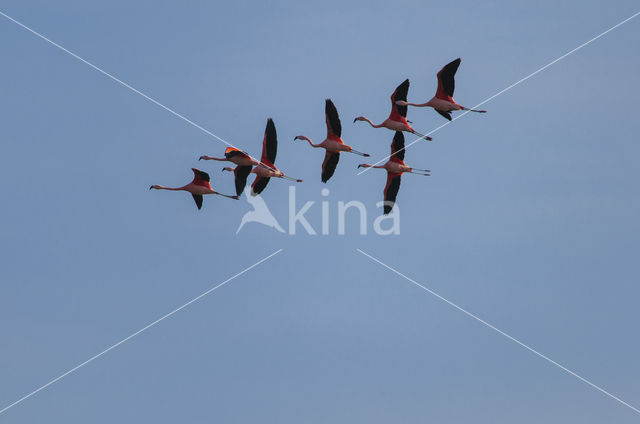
pixel 355 119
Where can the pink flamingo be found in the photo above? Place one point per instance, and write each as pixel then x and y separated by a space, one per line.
pixel 237 156
pixel 269 152
pixel 198 187
pixel 397 120
pixel 333 144
pixel 443 102
pixel 263 173
pixel 395 167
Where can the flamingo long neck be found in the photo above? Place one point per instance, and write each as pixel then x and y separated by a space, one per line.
pixel 371 123
pixel 171 188
pixel 308 140
pixel 366 165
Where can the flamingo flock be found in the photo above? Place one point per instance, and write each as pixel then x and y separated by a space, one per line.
pixel 265 168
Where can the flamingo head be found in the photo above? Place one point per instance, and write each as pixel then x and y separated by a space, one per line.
pixel 360 118
pixel 157 187
pixel 227 168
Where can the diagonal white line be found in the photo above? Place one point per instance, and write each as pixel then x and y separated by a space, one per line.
pixel 513 85
pixel 137 332
pixel 546 358
pixel 119 81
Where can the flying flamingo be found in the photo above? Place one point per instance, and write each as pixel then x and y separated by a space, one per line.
pixel 269 152
pixel 198 187
pixel 395 167
pixel 237 156
pixel 397 120
pixel 443 102
pixel 333 144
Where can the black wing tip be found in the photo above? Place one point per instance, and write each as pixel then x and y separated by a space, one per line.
pixel 403 88
pixel 452 66
pixel 333 118
pixel 329 106
pixel 198 199
pixel 271 126
pixel 242 172
pixel 446 114
pixel 201 174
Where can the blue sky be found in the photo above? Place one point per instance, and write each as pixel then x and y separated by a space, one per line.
pixel 529 219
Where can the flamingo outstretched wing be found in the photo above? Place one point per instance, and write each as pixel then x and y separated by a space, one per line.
pixel 329 165
pixel 446 81
pixel 269 144
pixel 201 178
pixel 334 127
pixel 259 184
pixel 391 191
pixel 400 93
pixel 198 199
pixel 231 152
pixel 397 146
pixel 241 173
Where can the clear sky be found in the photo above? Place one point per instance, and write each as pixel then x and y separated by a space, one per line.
pixel 530 219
